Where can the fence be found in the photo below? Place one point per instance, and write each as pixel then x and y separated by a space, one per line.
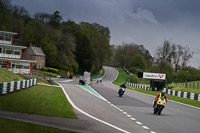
pixel 193 85
pixel 193 96
pixel 16 85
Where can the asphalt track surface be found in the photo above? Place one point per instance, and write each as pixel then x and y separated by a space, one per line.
pixel 99 109
pixel 175 118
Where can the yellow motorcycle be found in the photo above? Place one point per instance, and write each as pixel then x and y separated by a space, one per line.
pixel 160 105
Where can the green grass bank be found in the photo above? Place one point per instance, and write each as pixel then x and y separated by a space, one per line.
pixel 39 99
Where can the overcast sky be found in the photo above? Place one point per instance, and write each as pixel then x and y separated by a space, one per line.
pixel 145 22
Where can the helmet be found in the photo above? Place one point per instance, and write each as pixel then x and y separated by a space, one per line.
pixel 162 93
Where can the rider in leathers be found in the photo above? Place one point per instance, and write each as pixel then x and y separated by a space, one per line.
pixel 162 94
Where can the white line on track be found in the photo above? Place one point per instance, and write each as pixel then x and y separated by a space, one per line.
pixel 70 101
pixel 145 127
pixel 139 123
pixel 129 116
pixel 133 119
pixel 125 113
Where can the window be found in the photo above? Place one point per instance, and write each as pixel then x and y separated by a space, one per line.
pixel 26 66
pixel 21 65
pixel 9 51
pixel 1 37
pixel 2 64
pixel 1 50
pixel 16 52
pixel 8 37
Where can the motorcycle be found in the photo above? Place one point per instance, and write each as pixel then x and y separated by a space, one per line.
pixel 160 105
pixel 121 91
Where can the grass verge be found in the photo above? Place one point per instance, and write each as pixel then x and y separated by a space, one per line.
pixel 39 99
pixel 122 77
pixel 103 72
pixel 12 126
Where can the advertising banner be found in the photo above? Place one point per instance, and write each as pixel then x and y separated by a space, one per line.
pixel 154 75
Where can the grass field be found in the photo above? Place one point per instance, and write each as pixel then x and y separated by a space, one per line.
pixel 38 99
pixel 192 87
pixel 122 79
pixel 12 126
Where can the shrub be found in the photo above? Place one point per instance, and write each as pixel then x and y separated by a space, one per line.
pixel 49 69
pixel 53 70
pixel 134 79
pixel 44 69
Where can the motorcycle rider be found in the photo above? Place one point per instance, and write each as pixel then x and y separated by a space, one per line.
pixel 122 86
pixel 162 94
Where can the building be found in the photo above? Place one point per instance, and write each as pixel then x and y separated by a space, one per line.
pixel 36 54
pixel 11 55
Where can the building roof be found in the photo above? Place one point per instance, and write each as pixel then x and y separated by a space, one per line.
pixel 8 33
pixel 13 46
pixel 17 60
pixel 38 51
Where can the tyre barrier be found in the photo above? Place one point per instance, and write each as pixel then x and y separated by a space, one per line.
pixel 190 95
pixel 7 87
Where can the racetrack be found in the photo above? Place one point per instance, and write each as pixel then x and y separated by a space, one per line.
pixel 175 118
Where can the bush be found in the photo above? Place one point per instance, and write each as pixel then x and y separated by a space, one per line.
pixel 134 79
pixel 53 70
pixel 135 70
pixel 49 69
pixel 44 69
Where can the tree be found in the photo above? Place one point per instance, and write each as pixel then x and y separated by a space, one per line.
pixel 83 49
pixel 55 19
pixel 99 37
pixel 177 53
pixel 66 45
pixel 137 61
pixel 187 55
pixel 163 54
pixel 41 16
pixel 34 32
pixel 125 53
pixel 50 49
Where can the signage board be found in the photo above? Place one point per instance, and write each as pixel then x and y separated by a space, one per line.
pixel 154 75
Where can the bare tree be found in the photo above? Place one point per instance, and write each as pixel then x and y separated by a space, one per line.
pixel 177 53
pixel 163 54
pixel 174 54
pixel 187 55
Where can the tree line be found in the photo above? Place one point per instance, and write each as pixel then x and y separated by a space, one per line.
pixel 170 58
pixel 67 45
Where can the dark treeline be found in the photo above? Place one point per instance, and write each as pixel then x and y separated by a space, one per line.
pixel 67 45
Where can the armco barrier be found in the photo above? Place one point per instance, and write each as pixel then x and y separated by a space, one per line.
pixel 16 85
pixel 190 95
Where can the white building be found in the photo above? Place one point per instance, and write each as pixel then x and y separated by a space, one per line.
pixel 11 55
